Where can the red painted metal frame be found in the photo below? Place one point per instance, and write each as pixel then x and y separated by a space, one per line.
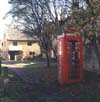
pixel 63 58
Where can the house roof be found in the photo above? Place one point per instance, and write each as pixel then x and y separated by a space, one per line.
pixel 14 34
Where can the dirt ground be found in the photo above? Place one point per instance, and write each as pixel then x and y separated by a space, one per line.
pixel 47 89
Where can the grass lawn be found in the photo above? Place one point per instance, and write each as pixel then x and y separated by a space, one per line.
pixel 24 63
pixel 17 90
pixel 6 99
pixel 3 97
pixel 11 90
pixel 48 90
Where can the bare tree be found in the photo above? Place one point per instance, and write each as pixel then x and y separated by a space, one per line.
pixel 41 17
pixel 32 15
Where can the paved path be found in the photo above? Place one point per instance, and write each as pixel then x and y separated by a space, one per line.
pixel 26 77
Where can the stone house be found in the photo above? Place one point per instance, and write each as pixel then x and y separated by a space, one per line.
pixel 19 46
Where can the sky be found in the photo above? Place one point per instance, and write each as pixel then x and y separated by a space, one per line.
pixel 4 8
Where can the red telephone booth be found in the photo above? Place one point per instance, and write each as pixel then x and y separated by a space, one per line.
pixel 69 52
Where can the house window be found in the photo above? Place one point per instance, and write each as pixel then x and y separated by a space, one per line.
pixel 15 43
pixel 31 53
pixel 29 43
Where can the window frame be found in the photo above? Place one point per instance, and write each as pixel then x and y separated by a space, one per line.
pixel 29 43
pixel 15 43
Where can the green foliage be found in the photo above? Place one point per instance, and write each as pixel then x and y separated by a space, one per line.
pixel 6 99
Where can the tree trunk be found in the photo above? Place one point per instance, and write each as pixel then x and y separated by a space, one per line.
pixel 96 49
pixel 48 60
